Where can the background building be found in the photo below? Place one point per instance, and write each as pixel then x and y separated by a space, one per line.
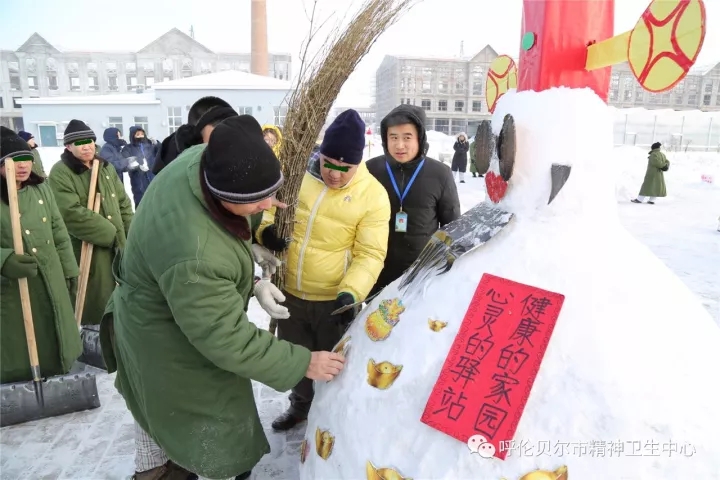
pixel 452 90
pixel 160 110
pixel 38 69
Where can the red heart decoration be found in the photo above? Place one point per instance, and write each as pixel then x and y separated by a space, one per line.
pixel 496 186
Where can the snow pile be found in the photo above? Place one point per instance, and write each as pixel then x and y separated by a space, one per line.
pixel 686 169
pixel 441 146
pixel 633 357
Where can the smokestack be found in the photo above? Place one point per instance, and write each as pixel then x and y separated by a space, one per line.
pixel 259 48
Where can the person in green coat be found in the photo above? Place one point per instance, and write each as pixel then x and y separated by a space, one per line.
pixel 654 184
pixel 37 161
pixel 48 265
pixel 176 330
pixel 473 168
pixel 107 230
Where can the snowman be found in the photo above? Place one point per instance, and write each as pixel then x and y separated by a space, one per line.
pixel 628 383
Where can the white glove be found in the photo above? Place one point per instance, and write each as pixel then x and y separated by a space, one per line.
pixel 143 166
pixel 265 258
pixel 269 298
pixel 133 163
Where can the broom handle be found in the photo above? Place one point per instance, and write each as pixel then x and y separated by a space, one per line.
pixel 83 251
pixel 85 270
pixel 19 250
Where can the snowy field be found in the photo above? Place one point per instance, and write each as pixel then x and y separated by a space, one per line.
pixel 682 230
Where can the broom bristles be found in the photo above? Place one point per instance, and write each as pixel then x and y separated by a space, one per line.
pixel 318 87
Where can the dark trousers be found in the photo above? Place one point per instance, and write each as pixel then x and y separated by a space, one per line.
pixel 309 325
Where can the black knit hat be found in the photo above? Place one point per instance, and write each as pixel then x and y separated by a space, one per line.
pixel 656 145
pixel 215 114
pixel 239 166
pixel 345 138
pixel 11 145
pixel 77 130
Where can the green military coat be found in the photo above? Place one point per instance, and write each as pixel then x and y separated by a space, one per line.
pixel 654 182
pixel 107 230
pixel 37 163
pixel 56 333
pixel 184 349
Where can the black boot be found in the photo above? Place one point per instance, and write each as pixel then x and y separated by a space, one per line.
pixel 287 420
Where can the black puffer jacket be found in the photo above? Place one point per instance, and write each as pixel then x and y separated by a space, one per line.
pixel 431 202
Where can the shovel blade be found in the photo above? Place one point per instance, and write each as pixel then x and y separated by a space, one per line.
pixel 61 395
pixel 92 351
pixel 473 229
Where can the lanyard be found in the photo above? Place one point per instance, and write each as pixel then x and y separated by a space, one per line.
pixel 407 187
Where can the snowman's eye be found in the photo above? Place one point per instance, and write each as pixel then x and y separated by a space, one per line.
pixel 506 147
pixel 484 146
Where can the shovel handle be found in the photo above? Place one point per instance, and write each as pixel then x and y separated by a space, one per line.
pixel 23 284
pixel 79 301
pixel 85 261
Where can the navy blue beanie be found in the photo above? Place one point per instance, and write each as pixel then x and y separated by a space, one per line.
pixel 345 138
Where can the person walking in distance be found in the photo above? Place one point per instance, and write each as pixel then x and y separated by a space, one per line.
pixel 654 183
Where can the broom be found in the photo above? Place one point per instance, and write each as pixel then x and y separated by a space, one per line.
pixel 317 88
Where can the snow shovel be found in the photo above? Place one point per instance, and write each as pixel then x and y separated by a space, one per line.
pixel 474 228
pixel 27 401
pixel 89 334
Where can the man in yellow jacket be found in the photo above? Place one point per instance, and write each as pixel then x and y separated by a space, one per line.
pixel 337 251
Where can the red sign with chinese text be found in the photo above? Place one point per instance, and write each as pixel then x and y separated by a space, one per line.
pixel 491 367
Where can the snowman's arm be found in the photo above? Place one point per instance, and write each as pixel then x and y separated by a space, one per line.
pixel 448 205
pixel 369 249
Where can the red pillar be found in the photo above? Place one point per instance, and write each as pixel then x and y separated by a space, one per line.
pixel 555 36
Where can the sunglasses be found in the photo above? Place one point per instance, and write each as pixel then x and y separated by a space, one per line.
pixel 82 142
pixel 336 167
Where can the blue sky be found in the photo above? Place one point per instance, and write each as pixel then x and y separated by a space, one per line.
pixel 431 28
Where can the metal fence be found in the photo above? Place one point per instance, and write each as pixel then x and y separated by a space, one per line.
pixel 689 131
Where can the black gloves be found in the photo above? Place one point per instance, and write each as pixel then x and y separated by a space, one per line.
pixel 343 300
pixel 19 266
pixel 272 242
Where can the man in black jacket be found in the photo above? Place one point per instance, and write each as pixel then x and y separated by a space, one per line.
pixel 423 195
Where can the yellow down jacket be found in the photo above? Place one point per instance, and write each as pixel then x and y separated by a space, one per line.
pixel 278 135
pixel 340 238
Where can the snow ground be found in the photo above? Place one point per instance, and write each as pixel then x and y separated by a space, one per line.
pixel 680 229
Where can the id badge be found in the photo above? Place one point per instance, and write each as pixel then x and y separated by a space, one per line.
pixel 401 222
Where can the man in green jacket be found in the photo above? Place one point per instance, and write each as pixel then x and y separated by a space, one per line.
pixel 70 181
pixel 49 266
pixel 184 349
pixel 654 183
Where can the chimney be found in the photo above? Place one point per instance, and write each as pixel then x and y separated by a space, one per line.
pixel 259 48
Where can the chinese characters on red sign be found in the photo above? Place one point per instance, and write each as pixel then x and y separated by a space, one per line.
pixel 487 376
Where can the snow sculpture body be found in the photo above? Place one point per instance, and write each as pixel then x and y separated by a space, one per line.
pixel 628 385
pixel 633 357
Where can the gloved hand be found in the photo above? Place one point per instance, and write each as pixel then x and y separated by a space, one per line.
pixel 271 241
pixel 265 258
pixel 72 286
pixel 269 298
pixel 133 163
pixel 143 166
pixel 344 299
pixel 19 266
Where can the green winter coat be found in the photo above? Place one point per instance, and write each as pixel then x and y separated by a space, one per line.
pixel 473 168
pixel 107 230
pixel 654 183
pixel 37 163
pixel 56 333
pixel 183 346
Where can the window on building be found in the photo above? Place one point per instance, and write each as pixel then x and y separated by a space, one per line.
pixel 707 99
pixel 73 71
pixel 174 119
pixel 679 92
pixel 459 106
pixel 245 110
pixel 111 70
pixel 92 74
pixel 614 87
pixel 149 82
pixel 442 125
pixel 458 127
pixel 131 82
pixel 52 83
pixel 15 102
pixel 476 106
pixel 442 106
pixel 75 84
pixel 205 67
pixel 280 114
pixel 2 103
pixel 168 69
pixel 93 84
pixel 112 84
pixel 14 70
pixel 709 86
pixel 32 83
pixel 460 81
pixel 717 99
pixel 142 122
pixel 31 72
pixel 131 75
pixel 477 80
pixel 187 67
pixel 115 122
pixel 426 105
pixel 51 73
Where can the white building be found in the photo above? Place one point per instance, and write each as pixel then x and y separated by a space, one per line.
pixel 159 111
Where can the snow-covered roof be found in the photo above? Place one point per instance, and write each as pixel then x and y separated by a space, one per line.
pixel 226 80
pixel 147 98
